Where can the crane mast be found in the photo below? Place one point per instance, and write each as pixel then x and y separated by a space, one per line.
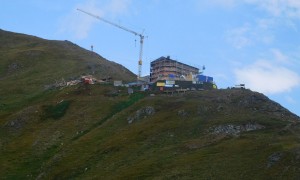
pixel 140 62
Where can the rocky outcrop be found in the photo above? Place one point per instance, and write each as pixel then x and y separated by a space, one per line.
pixel 14 67
pixel 18 121
pixel 274 158
pixel 182 113
pixel 141 113
pixel 228 101
pixel 235 130
pixel 258 102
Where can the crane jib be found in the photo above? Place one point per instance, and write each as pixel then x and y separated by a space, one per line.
pixel 125 29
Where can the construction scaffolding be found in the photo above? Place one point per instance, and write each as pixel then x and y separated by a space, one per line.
pixel 165 68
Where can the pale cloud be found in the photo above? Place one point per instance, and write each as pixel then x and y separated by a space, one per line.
pixel 79 24
pixel 239 37
pixel 280 57
pixel 276 8
pixel 266 23
pixel 269 77
pixel 286 8
pixel 278 13
pixel 249 34
pixel 117 7
pixel 295 57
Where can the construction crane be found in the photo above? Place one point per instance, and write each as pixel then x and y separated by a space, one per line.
pixel 140 62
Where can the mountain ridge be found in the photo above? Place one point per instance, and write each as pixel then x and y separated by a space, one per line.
pixel 29 63
pixel 101 132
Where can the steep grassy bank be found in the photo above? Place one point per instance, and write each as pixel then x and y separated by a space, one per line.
pixel 37 133
pixel 102 132
pixel 28 65
pixel 195 135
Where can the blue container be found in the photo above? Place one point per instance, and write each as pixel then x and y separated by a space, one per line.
pixel 203 78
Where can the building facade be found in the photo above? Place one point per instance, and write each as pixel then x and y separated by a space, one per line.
pixel 165 68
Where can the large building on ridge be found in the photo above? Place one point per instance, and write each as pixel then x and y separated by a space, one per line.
pixel 165 68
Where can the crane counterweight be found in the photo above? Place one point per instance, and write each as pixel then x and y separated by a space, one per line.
pixel 140 62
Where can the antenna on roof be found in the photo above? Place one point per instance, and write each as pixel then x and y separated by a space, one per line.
pixel 201 71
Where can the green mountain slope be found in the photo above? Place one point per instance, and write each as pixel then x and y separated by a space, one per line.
pixel 222 134
pixel 101 132
pixel 28 64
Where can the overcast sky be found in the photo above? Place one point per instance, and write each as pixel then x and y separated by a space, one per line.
pixel 255 42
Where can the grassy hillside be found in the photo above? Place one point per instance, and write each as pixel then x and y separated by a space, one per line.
pixel 28 64
pixel 100 132
pixel 104 133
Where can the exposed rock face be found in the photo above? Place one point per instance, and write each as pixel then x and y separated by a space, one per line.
pixel 21 119
pixel 258 102
pixel 235 130
pixel 142 113
pixel 274 158
pixel 43 141
pixel 182 113
pixel 13 67
pixel 231 100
